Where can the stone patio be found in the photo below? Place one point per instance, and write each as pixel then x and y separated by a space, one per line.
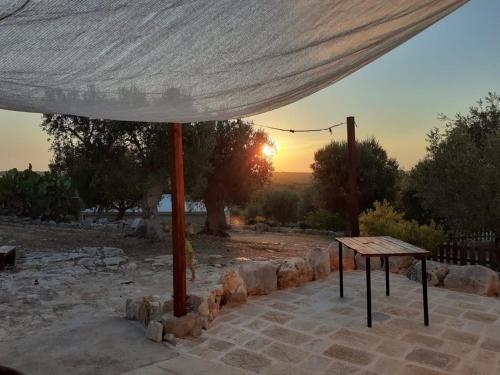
pixel 310 330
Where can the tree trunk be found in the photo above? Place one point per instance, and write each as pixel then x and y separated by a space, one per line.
pixel 152 228
pixel 121 213
pixel 216 219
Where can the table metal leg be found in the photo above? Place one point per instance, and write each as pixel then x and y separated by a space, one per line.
pixel 386 265
pixel 424 290
pixel 341 271
pixel 368 293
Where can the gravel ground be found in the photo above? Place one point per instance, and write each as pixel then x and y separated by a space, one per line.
pixel 56 280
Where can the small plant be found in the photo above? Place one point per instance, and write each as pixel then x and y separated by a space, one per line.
pixel 384 220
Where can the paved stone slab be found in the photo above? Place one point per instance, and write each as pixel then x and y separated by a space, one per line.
pixel 257 324
pixel 417 370
pixel 355 339
pixel 387 366
pixel 285 353
pixel 393 348
pixel 277 317
pixel 424 340
pixel 433 358
pixel 219 345
pixel 286 335
pixel 303 325
pixel 342 368
pixel 183 363
pixel 150 370
pixel 491 344
pixel 463 337
pixel 348 354
pixel 246 360
pixel 480 316
pixel 316 363
pixel 258 343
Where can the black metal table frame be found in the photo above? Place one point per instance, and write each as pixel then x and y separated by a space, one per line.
pixel 387 288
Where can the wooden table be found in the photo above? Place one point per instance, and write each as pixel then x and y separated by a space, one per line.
pixel 382 247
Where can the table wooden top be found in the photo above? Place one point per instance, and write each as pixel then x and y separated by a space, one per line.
pixel 381 246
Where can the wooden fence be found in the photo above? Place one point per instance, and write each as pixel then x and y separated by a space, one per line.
pixel 477 248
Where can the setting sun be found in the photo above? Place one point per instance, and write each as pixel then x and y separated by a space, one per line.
pixel 269 151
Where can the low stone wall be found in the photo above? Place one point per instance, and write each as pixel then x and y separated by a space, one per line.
pixel 235 285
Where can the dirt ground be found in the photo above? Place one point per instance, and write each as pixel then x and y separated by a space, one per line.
pixel 64 292
pixel 242 243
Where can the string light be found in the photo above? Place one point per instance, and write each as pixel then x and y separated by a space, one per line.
pixel 300 130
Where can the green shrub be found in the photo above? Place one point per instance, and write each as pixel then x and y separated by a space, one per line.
pixel 384 220
pixel 47 195
pixel 281 206
pixel 252 210
pixel 307 201
pixel 323 219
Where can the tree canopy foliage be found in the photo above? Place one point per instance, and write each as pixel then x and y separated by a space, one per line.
pixel 280 206
pixel 238 168
pixel 47 195
pixel 122 164
pixel 377 175
pixel 458 182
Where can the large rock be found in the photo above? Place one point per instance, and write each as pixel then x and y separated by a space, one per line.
pixel 261 227
pixel 347 257
pixel 132 307
pixel 319 260
pixel 436 272
pixel 90 251
pixel 234 287
pixel 400 264
pixel 375 263
pixel 259 277
pixel 111 252
pixel 294 272
pixel 149 309
pixel 155 331
pixel 187 325
pixel 473 279
pixel 214 302
pixel 114 261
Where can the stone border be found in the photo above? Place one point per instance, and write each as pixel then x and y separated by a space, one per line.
pixel 235 285
pixel 263 227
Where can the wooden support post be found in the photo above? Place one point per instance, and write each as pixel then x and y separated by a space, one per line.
pixel 178 221
pixel 353 204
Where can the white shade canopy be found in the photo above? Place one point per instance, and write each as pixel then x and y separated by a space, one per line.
pixel 191 60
